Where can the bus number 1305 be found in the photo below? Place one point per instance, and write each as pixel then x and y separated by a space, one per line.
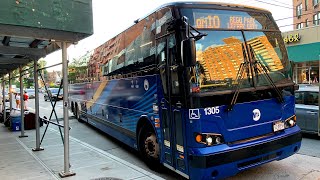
pixel 211 110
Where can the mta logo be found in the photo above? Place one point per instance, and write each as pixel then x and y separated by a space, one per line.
pixel 256 114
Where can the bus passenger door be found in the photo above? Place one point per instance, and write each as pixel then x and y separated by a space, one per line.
pixel 174 155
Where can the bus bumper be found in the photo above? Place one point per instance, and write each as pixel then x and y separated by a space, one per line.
pixel 230 161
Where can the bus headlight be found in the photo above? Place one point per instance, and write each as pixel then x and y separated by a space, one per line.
pixel 290 122
pixel 209 139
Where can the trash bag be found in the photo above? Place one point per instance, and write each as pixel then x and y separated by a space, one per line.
pixel 15 113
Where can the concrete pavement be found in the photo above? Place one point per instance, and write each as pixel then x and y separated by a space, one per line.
pixel 18 161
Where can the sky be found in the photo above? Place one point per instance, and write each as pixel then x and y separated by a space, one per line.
pixel 112 17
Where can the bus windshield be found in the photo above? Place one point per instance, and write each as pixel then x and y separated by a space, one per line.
pixel 233 37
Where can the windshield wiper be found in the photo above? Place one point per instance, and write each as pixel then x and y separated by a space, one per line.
pixel 265 70
pixel 245 66
pixel 188 32
pixel 199 35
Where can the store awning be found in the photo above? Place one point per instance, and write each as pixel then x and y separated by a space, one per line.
pixel 304 52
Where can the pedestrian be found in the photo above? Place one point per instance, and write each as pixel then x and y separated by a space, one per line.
pixel 25 99
pixel 17 100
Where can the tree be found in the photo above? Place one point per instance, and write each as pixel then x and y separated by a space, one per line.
pixel 28 80
pixel 78 68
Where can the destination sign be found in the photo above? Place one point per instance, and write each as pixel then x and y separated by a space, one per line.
pixel 225 21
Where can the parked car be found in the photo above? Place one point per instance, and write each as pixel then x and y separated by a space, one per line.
pixel 307 108
pixel 31 93
pixel 54 94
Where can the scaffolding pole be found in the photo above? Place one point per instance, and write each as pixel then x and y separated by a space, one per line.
pixel 4 100
pixel 21 104
pixel 10 91
pixel 66 172
pixel 36 90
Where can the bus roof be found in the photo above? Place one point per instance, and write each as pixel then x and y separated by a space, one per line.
pixel 204 4
pixel 217 4
pixel 193 4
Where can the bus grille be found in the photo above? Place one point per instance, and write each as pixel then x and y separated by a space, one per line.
pixel 243 165
pixel 250 139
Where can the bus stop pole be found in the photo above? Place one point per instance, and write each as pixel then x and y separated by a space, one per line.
pixel 36 93
pixel 66 171
pixel 10 91
pixel 21 104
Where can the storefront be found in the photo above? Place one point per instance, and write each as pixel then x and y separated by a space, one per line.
pixel 303 47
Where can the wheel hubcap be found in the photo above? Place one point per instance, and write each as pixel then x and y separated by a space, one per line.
pixel 151 146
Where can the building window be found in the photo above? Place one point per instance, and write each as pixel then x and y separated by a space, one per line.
pixel 315 2
pixel 307 23
pixel 299 10
pixel 316 19
pixel 306 72
pixel 299 25
pixel 306 4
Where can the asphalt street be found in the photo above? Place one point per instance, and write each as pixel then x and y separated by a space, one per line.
pixel 303 165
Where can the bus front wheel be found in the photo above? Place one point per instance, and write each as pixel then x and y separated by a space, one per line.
pixel 149 147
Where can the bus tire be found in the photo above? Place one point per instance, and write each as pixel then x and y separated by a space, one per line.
pixel 72 108
pixel 149 147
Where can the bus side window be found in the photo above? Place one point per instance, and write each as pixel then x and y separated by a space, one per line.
pixel 163 16
pixel 161 59
pixel 173 66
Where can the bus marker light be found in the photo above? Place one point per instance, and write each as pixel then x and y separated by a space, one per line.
pixel 182 157
pixel 157 125
pixel 157 120
pixel 199 138
pixel 167 143
pixel 180 148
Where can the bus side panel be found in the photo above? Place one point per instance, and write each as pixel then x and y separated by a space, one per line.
pixel 77 92
pixel 119 104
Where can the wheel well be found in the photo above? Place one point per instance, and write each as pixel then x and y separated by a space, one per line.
pixel 76 107
pixel 143 121
pixel 72 106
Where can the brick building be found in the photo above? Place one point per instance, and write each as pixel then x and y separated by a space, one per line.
pixel 306 13
pixel 303 43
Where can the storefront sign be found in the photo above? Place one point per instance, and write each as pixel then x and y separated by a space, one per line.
pixel 292 38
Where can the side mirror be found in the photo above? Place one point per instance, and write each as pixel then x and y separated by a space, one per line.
pixel 188 52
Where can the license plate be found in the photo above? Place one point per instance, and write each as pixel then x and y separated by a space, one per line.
pixel 278 126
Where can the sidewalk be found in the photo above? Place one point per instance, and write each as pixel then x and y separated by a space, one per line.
pixel 18 161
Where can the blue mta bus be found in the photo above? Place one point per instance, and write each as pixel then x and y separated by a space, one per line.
pixel 204 89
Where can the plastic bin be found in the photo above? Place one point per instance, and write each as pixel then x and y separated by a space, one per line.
pixel 15 123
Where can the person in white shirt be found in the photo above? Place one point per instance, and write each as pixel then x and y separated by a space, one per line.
pixel 17 100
